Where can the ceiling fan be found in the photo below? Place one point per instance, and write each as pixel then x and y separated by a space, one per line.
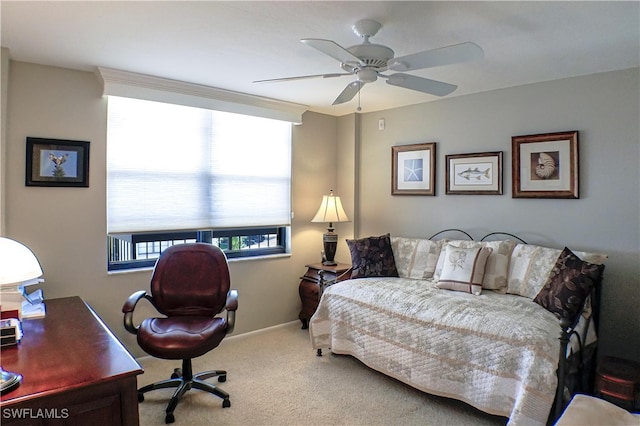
pixel 367 61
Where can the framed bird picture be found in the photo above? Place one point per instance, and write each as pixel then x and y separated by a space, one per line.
pixel 56 162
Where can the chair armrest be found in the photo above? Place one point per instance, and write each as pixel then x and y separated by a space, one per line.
pixel 128 308
pixel 232 306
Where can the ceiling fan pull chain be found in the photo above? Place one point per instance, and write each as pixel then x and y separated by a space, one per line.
pixel 359 108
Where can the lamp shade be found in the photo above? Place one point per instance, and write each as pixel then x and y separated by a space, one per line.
pixel 17 263
pixel 330 210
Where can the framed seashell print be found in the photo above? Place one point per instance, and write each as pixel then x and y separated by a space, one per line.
pixel 545 165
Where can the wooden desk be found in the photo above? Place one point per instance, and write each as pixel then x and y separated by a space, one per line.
pixel 74 371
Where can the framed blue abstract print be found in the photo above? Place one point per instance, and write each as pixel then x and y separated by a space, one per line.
pixel 413 169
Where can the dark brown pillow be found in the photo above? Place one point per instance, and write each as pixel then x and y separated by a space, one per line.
pixel 569 283
pixel 372 257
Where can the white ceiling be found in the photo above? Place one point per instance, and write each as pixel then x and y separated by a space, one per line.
pixel 229 44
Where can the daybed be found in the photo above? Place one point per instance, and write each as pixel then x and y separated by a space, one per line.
pixel 478 321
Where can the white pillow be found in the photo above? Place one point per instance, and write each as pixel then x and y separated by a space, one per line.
pixel 463 268
pixel 415 258
pixel 440 264
pixel 497 267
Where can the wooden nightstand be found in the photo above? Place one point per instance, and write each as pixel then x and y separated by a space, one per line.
pixel 618 381
pixel 309 288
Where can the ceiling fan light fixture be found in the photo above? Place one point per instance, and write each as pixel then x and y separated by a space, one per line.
pixel 367 75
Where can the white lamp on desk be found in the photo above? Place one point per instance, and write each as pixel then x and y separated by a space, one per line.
pixel 18 267
pixel 18 264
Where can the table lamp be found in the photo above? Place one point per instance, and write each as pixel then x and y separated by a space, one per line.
pixel 330 211
pixel 18 267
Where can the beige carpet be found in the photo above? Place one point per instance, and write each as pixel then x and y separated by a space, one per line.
pixel 275 378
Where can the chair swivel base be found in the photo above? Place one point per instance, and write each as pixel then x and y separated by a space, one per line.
pixel 184 380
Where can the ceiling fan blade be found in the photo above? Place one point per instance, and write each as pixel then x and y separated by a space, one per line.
pixel 331 48
pixel 457 53
pixel 420 84
pixel 349 92
pixel 302 77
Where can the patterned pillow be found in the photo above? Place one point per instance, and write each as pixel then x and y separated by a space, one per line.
pixel 497 267
pixel 463 268
pixel 372 257
pixel 416 258
pixel 530 266
pixel 568 286
pixel 445 242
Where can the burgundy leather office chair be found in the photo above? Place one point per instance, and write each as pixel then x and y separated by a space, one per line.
pixel 190 286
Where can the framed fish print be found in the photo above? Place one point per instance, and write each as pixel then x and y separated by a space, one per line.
pixel 478 174
pixel 413 169
pixel 545 165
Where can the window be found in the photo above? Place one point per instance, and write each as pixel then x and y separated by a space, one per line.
pixel 179 174
pixel 130 251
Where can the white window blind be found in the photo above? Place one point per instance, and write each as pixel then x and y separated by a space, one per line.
pixel 171 167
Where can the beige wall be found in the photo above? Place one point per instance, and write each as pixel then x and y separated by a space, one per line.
pixel 606 218
pixel 348 139
pixel 4 84
pixel 66 227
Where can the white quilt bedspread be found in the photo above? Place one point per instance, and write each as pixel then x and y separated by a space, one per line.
pixel 496 352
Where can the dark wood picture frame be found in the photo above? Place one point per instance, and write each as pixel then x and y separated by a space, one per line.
pixel 474 174
pixel 413 169
pixel 57 162
pixel 545 165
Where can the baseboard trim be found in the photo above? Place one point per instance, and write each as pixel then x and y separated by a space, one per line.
pixel 259 331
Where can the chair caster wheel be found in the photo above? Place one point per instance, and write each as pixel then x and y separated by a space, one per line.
pixel 226 403
pixel 169 418
pixel 140 397
pixel 177 373
pixel 222 379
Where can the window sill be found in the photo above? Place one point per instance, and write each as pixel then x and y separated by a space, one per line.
pixel 265 257
pixel 234 260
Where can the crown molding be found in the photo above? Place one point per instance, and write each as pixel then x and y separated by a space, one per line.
pixel 152 88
